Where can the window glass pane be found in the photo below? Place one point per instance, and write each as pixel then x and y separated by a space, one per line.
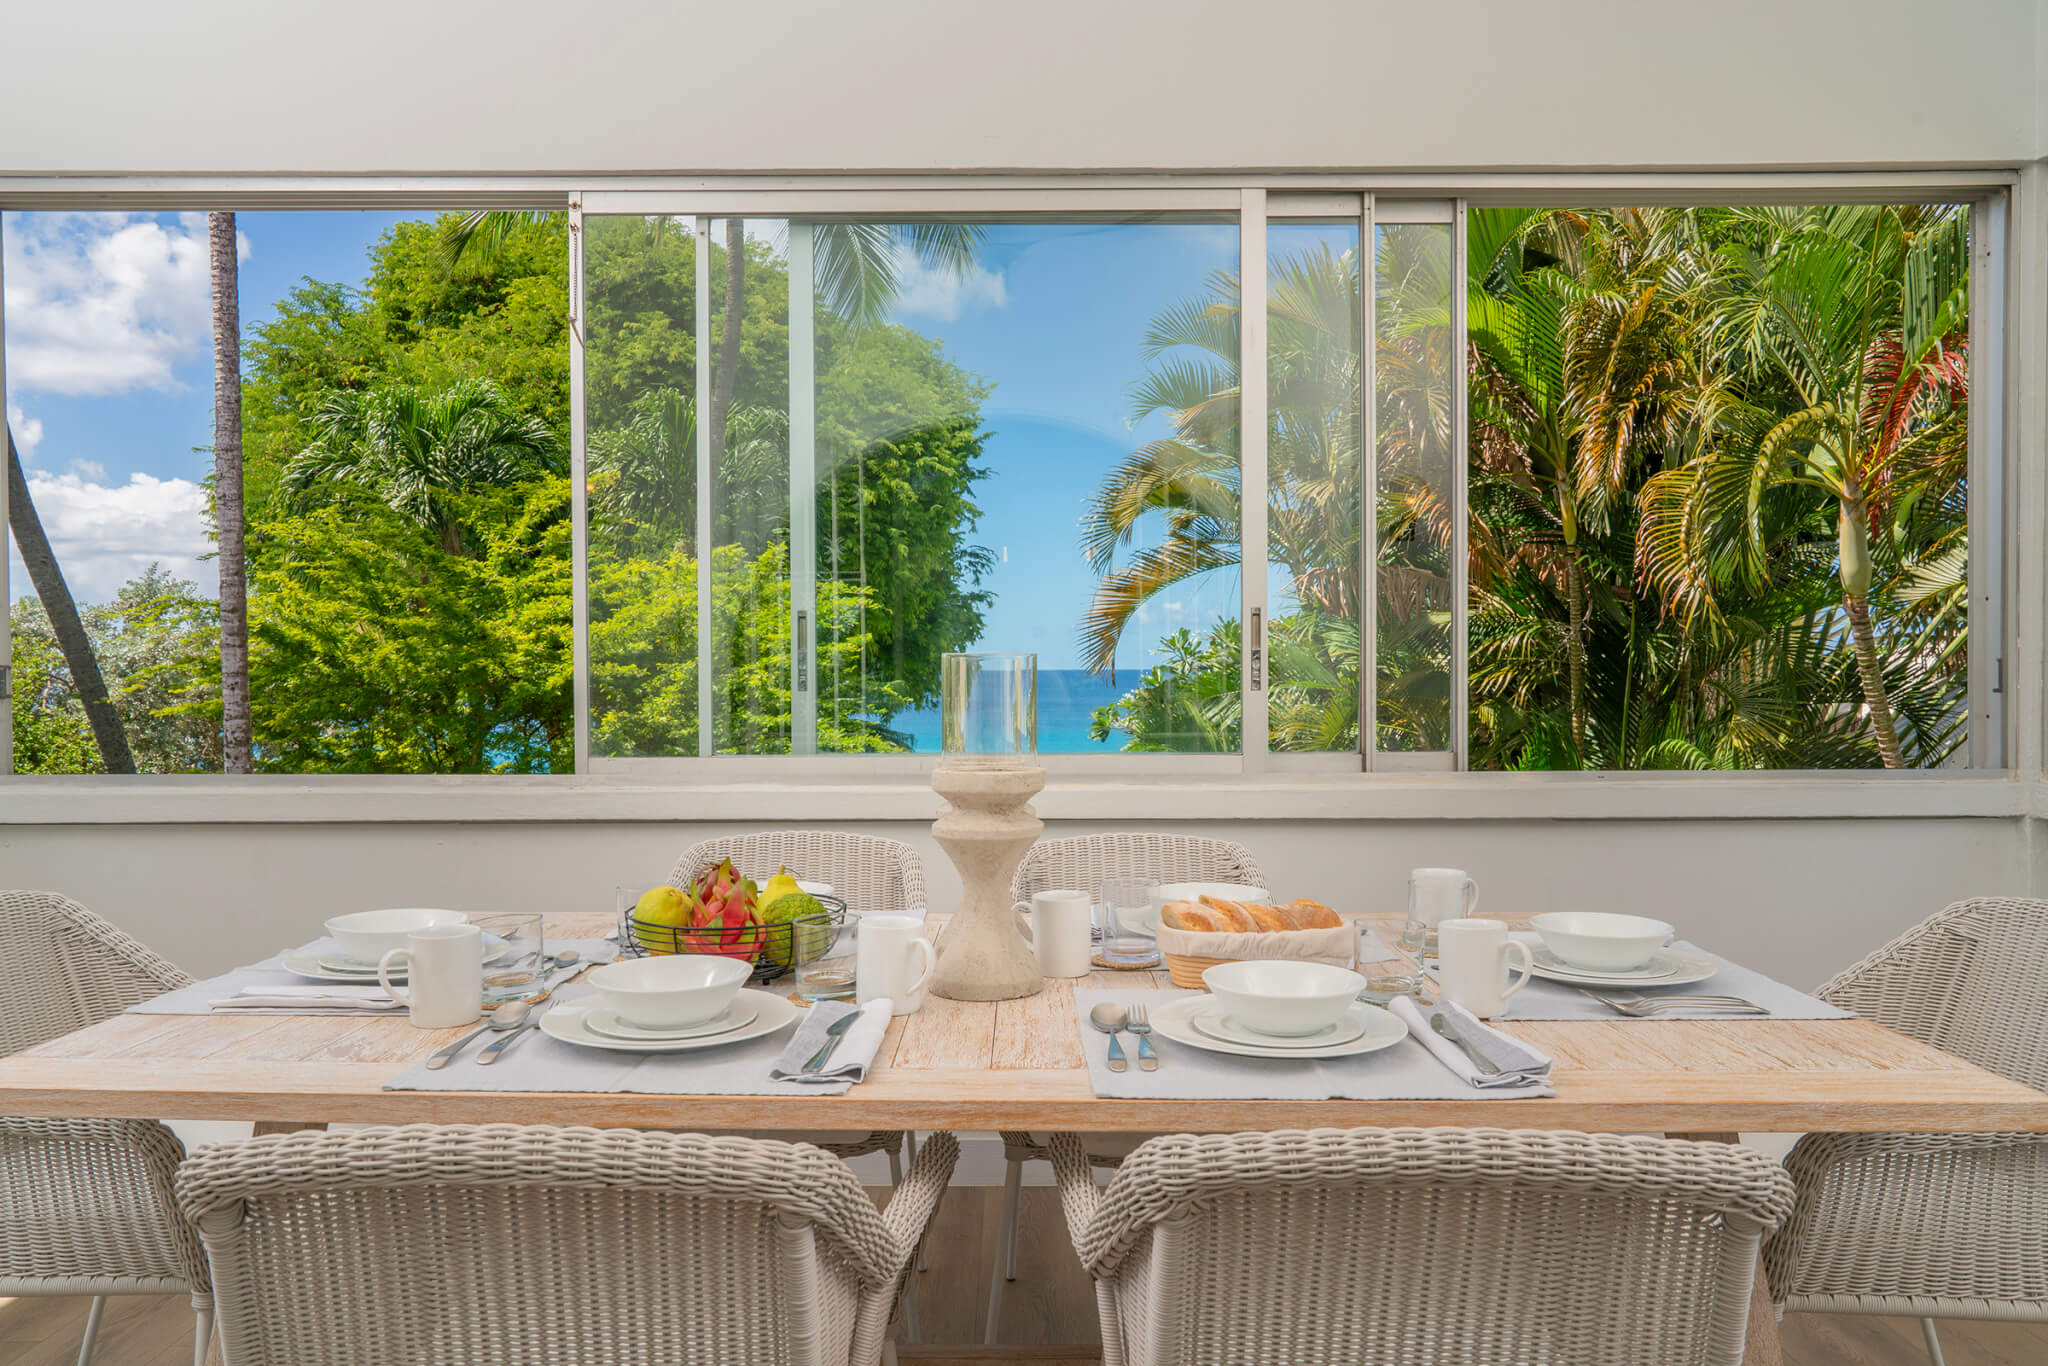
pixel 404 415
pixel 1415 367
pixel 1027 440
pixel 1312 517
pixel 1718 486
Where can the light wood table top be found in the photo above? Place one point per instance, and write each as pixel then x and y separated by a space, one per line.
pixel 1018 1065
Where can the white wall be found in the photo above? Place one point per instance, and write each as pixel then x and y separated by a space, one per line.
pixel 539 85
pixel 1797 898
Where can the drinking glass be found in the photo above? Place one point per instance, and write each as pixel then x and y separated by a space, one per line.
pixel 830 976
pixel 988 710
pixel 1126 904
pixel 513 970
pixel 1434 896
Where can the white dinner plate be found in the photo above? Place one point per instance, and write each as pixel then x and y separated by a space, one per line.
pixel 569 1023
pixel 1171 1021
pixel 1666 968
pixel 608 1022
pixel 1219 1025
pixel 325 967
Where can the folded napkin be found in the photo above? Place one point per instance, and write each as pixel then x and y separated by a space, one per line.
pixel 326 1000
pixel 1520 1064
pixel 856 1052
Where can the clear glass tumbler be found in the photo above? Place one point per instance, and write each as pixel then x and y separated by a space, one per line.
pixel 514 969
pixel 1126 909
pixel 988 710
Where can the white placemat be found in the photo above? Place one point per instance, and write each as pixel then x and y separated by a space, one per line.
pixel 1407 1071
pixel 1547 1000
pixel 538 1063
pixel 195 999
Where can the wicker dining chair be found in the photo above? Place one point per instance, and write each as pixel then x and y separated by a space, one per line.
pixel 1422 1247
pixel 871 874
pixel 85 1204
pixel 533 1245
pixel 1081 862
pixel 1933 1225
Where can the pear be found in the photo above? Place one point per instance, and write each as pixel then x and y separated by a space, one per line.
pixel 660 907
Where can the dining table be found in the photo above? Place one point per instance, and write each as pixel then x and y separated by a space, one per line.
pixel 1019 1064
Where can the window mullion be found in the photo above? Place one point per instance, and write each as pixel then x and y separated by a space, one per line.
pixel 1368 487
pixel 803 495
pixel 705 350
pixel 1987 507
pixel 1461 389
pixel 1252 424
pixel 579 495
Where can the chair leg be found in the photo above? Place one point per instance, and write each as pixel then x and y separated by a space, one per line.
pixel 202 1334
pixel 92 1329
pixel 909 1157
pixel 895 1167
pixel 1933 1342
pixel 1003 1266
pixel 888 1352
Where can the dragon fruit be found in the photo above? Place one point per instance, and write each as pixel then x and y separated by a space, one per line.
pixel 724 903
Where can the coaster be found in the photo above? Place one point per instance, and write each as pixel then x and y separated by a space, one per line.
pixel 1143 965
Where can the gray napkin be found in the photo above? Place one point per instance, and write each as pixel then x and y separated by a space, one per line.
pixel 1520 1063
pixel 857 1047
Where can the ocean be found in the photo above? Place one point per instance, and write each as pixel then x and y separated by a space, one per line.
pixel 1067 698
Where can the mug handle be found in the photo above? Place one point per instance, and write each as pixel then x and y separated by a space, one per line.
pixel 931 963
pixel 1471 896
pixel 1515 946
pixel 1022 915
pixel 384 976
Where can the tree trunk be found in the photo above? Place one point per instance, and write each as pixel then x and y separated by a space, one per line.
pixel 48 582
pixel 727 372
pixel 237 745
pixel 1575 656
pixel 1881 723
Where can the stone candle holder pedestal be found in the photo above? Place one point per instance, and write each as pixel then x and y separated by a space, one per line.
pixel 986 827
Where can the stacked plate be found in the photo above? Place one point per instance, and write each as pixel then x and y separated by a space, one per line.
pixel 752 1015
pixel 1666 968
pixel 1206 1023
pixel 326 963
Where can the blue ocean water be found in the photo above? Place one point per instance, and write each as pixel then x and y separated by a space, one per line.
pixel 1067 698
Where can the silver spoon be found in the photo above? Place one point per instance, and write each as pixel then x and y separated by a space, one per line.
pixel 1109 1018
pixel 510 1015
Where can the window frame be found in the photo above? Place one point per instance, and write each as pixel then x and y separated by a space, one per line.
pixel 1997 667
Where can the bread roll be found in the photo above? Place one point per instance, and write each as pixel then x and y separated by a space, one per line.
pixel 1233 915
pixel 1271 919
pixel 1314 915
pixel 1186 915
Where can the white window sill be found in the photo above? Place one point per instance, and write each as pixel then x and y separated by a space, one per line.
pixel 1385 796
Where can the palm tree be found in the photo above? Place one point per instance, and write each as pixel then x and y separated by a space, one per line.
pixel 48 581
pixel 414 450
pixel 1855 316
pixel 237 752
pixel 644 474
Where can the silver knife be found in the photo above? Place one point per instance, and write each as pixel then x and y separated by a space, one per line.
pixel 1443 1024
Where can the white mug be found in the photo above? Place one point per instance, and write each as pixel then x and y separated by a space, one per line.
pixel 1473 963
pixel 444 970
pixel 892 958
pixel 1059 928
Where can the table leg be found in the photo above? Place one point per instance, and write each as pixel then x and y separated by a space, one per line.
pixel 1761 1346
pixel 287 1126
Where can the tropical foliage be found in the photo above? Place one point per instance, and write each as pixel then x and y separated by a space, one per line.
pixel 1717 482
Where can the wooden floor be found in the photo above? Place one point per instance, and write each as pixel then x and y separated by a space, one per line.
pixel 1048 1311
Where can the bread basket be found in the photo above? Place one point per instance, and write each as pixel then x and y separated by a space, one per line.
pixel 1189 952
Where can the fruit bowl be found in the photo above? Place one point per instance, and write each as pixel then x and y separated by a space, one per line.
pixel 772 949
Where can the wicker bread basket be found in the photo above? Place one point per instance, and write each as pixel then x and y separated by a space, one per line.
pixel 1189 952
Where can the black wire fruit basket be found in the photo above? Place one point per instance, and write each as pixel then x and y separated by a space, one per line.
pixel 774 950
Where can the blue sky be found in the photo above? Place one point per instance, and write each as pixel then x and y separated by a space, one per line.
pixel 109 388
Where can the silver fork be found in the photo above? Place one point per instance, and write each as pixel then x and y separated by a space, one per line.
pixel 1648 1007
pixel 1141 1025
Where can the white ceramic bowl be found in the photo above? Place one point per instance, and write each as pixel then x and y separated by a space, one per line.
pixel 1600 941
pixel 366 936
pixel 1195 891
pixel 1283 998
pixel 670 990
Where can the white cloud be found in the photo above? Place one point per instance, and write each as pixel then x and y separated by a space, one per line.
pixel 105 535
pixel 106 303
pixel 92 471
pixel 937 292
pixel 28 433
